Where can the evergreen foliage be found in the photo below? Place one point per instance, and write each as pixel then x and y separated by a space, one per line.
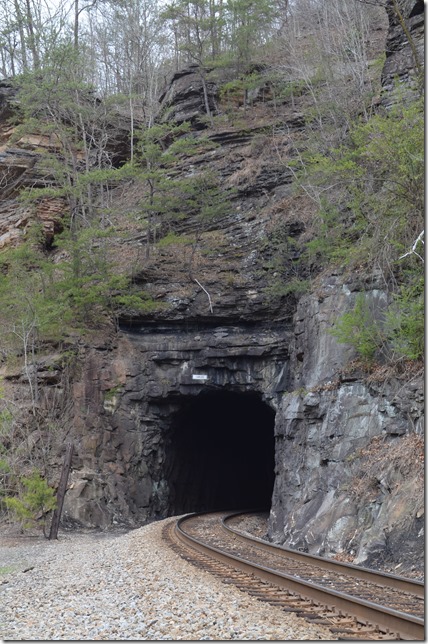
pixel 42 300
pixel 370 193
pixel 405 321
pixel 372 209
pixel 168 197
pixel 359 329
pixel 35 500
pixel 220 33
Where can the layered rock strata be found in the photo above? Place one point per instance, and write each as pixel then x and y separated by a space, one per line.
pixel 128 397
pixel 347 447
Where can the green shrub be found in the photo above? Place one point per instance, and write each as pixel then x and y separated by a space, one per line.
pixel 291 286
pixel 35 500
pixel 370 191
pixel 405 321
pixel 172 239
pixel 359 329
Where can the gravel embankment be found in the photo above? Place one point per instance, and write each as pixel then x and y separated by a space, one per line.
pixel 127 587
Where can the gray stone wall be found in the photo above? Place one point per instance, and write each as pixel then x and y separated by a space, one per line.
pixel 347 448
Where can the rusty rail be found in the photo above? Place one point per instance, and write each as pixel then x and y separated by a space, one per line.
pixel 359 572
pixel 404 625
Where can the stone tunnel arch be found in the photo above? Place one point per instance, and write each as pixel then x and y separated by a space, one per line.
pixel 220 453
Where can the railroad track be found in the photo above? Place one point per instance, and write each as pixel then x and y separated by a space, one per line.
pixel 353 602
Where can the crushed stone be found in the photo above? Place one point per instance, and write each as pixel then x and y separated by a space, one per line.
pixel 128 587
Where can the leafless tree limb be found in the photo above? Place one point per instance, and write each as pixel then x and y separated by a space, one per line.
pixel 208 295
pixel 413 249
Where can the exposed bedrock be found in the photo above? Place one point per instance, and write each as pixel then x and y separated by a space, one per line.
pixel 187 96
pixel 347 449
pixel 251 401
pixel 185 417
pixel 145 446
pixel 404 57
pixel 180 415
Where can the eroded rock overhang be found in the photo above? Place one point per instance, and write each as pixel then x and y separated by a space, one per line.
pixel 184 359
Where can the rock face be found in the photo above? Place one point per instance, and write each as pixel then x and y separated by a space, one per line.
pixel 187 96
pixel 346 453
pixel 332 453
pixel 127 404
pixel 400 64
pixel 339 446
pixel 18 170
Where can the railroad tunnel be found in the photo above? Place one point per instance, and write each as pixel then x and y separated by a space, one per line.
pixel 220 453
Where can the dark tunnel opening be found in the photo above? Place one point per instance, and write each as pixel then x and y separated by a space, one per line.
pixel 221 453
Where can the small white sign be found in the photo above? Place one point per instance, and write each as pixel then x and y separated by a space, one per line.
pixel 199 376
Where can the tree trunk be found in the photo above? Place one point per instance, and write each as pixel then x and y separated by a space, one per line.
pixel 76 25
pixel 22 38
pixel 206 100
pixel 62 488
pixel 31 37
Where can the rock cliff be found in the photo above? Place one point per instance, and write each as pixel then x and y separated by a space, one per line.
pixel 350 448
pixel 347 447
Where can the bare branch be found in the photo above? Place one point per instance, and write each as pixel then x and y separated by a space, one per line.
pixel 205 290
pixel 413 249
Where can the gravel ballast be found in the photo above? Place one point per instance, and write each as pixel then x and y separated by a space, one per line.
pixel 130 586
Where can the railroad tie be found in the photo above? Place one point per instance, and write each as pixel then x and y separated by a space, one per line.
pixel 346 627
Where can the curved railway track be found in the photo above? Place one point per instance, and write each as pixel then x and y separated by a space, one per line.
pixel 353 602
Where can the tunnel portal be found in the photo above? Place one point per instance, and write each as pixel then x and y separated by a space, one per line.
pixel 220 453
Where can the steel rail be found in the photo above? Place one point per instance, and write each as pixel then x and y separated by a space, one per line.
pixel 404 584
pixel 408 626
